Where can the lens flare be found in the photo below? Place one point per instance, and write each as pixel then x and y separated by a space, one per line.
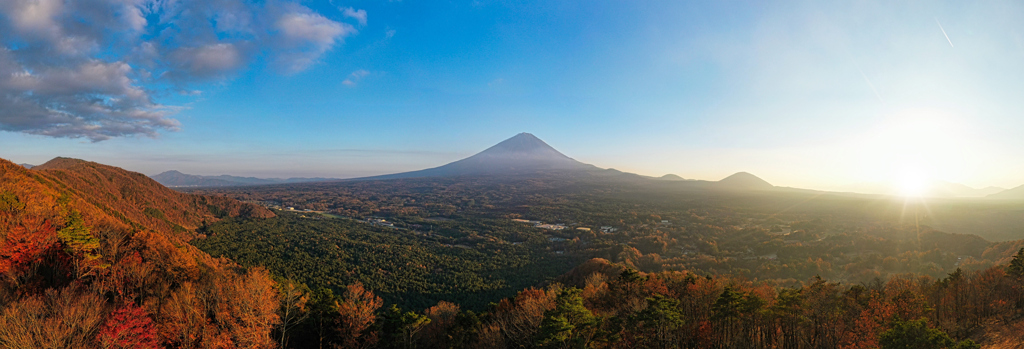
pixel 912 182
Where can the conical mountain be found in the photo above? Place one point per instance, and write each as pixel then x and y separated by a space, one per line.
pixel 743 181
pixel 522 154
pixel 672 177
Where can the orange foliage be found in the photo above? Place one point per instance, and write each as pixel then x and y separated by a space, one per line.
pixel 520 318
pixel 356 310
pixel 442 318
pixel 250 308
pixel 74 226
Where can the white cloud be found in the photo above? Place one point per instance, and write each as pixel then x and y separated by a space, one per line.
pixel 305 36
pixel 311 27
pixel 91 68
pixel 358 15
pixel 34 17
pixel 355 77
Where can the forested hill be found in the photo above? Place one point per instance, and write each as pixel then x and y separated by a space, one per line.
pixel 89 258
pixel 141 199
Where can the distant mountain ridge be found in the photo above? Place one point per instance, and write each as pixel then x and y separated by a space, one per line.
pixel 525 154
pixel 177 179
pixel 28 166
pixel 521 155
pixel 1015 193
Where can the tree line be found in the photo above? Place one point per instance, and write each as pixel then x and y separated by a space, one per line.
pixel 607 305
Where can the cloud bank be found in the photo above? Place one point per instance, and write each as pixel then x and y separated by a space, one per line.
pixel 94 68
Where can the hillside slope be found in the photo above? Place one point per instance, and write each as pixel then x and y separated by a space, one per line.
pixel 83 265
pixel 143 200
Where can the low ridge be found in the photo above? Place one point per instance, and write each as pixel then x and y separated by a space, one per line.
pixel 178 179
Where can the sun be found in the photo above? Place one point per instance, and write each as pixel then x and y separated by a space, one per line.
pixel 912 182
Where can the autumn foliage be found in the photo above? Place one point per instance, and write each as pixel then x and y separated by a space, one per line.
pixel 87 261
pixel 97 257
pixel 356 313
pixel 129 326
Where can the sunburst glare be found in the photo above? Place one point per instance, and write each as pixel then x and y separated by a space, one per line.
pixel 912 182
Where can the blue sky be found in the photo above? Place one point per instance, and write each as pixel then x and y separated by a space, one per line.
pixel 805 94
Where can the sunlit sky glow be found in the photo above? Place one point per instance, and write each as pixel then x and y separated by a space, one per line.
pixel 806 94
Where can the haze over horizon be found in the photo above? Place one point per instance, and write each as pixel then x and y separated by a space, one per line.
pixel 807 95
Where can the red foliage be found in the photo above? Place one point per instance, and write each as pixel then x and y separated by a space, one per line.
pixel 128 327
pixel 25 242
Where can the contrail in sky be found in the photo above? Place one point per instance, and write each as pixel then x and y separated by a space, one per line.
pixel 866 79
pixel 873 89
pixel 944 32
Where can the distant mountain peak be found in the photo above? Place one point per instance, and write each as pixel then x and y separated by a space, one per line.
pixel 523 153
pixel 522 143
pixel 63 163
pixel 744 180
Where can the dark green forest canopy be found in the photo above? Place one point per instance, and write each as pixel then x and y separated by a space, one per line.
pixel 446 261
